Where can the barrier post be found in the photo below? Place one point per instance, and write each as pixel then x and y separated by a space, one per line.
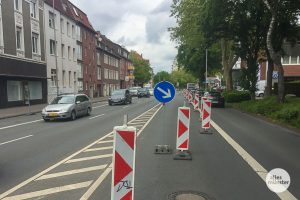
pixel 206 115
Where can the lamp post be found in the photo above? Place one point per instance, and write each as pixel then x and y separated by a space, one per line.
pixel 205 69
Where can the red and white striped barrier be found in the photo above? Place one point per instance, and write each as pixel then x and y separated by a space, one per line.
pixel 190 97
pixel 183 128
pixel 196 102
pixel 201 106
pixel 206 113
pixel 123 163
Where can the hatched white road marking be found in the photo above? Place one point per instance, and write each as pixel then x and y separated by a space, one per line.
pixel 256 166
pixel 105 141
pixel 70 172
pixel 97 116
pixel 89 158
pixel 15 125
pixel 99 149
pixel 64 188
pixel 21 138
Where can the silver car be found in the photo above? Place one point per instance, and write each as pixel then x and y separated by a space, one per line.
pixel 67 107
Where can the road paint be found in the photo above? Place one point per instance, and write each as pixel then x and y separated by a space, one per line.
pixel 15 125
pixel 70 172
pixel 21 138
pixel 105 141
pixel 97 116
pixel 125 107
pixel 255 165
pixel 100 106
pixel 50 191
pixel 96 184
pixel 89 158
pixel 136 123
pixel 99 149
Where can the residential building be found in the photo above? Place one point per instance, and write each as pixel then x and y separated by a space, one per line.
pixel 61 45
pixel 22 57
pixel 108 65
pixel 86 48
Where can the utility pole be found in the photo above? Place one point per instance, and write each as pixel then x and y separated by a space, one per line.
pixel 206 70
pixel 55 49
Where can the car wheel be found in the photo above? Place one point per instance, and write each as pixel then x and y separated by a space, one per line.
pixel 88 112
pixel 46 120
pixel 73 115
pixel 261 95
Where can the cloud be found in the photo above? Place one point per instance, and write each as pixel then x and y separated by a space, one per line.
pixel 140 25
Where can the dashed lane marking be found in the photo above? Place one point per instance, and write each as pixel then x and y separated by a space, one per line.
pixel 21 138
pixel 15 125
pixel 97 116
pixel 70 172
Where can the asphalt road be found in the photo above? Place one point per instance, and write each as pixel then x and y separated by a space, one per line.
pixel 217 170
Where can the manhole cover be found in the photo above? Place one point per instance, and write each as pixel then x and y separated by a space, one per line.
pixel 189 195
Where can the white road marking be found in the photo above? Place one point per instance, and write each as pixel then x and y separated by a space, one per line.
pixel 96 184
pixel 64 188
pixel 100 106
pixel 125 107
pixel 89 158
pixel 97 116
pixel 136 123
pixel 256 166
pixel 15 125
pixel 105 141
pixel 70 172
pixel 21 138
pixel 99 149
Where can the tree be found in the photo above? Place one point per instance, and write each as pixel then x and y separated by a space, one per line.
pixel 283 25
pixel 182 77
pixel 142 69
pixel 161 76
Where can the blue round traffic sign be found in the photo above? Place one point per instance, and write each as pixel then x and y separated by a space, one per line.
pixel 164 91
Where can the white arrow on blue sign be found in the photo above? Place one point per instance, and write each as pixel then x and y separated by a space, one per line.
pixel 164 91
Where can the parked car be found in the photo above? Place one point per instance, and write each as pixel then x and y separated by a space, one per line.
pixel 216 98
pixel 143 92
pixel 151 91
pixel 260 93
pixel 121 96
pixel 134 91
pixel 68 107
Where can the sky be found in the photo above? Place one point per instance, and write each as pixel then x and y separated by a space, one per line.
pixel 140 25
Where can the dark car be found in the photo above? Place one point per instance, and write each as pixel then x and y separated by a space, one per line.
pixel 120 97
pixel 143 92
pixel 217 99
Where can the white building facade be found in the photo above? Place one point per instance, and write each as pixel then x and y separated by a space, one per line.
pixel 60 40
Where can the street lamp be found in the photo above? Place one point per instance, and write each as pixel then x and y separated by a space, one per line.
pixel 206 70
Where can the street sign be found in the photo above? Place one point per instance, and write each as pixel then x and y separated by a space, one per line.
pixel 164 91
pixel 275 75
pixel 123 163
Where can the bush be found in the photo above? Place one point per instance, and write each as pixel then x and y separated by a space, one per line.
pixel 288 114
pixel 236 96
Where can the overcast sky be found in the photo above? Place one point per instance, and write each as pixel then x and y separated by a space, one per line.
pixel 139 25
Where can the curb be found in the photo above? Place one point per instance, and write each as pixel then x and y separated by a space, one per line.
pixel 35 112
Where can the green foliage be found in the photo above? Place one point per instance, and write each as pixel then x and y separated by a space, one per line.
pixel 236 96
pixel 142 69
pixel 290 88
pixel 161 76
pixel 182 78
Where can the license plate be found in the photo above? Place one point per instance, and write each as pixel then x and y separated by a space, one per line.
pixel 53 114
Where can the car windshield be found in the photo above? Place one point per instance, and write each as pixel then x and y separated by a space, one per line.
pixel 118 92
pixel 215 94
pixel 63 100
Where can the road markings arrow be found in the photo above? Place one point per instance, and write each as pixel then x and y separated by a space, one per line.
pixel 167 94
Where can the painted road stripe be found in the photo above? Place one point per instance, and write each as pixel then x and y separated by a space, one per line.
pixel 89 158
pixel 21 138
pixel 125 106
pixel 64 188
pixel 136 123
pixel 99 149
pixel 256 166
pixel 105 141
pixel 100 106
pixel 70 172
pixel 96 116
pixel 31 122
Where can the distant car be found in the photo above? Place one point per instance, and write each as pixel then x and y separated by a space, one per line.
pixel 151 91
pixel 260 93
pixel 121 96
pixel 134 91
pixel 216 98
pixel 143 92
pixel 67 107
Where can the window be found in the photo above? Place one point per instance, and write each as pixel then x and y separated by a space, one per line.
pixel 62 25
pixel 117 75
pixel 69 78
pixel 74 55
pixel 286 60
pixel 98 58
pixel 52 47
pixel 18 5
pixel 74 79
pixel 99 73
pixel 79 52
pixel 293 59
pixel 106 73
pixel 73 31
pixel 53 77
pixel 51 20
pixel 78 32
pixel 62 50
pixel 33 9
pixel 69 52
pixel 80 85
pixel 14 91
pixel 35 40
pixel 63 78
pixel 105 59
pixel 68 28
pixel 19 37
pixel 35 89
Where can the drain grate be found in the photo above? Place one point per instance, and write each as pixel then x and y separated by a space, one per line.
pixel 189 195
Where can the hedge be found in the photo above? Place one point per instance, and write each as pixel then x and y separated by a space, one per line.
pixel 290 88
pixel 236 96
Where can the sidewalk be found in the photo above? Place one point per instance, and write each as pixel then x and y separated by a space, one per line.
pixel 24 110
